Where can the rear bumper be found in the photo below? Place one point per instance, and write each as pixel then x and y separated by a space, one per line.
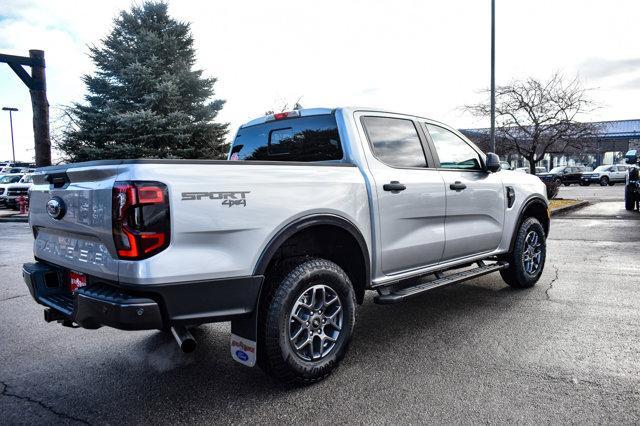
pixel 141 307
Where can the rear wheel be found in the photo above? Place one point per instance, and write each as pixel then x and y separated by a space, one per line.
pixel 306 322
pixel 604 181
pixel 526 261
pixel 629 200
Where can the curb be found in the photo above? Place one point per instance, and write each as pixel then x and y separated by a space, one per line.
pixel 565 209
pixel 14 218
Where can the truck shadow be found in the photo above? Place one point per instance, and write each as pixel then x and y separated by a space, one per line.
pixel 151 380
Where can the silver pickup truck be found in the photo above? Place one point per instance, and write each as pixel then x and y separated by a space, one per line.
pixel 311 209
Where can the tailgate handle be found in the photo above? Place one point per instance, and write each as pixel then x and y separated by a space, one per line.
pixel 58 180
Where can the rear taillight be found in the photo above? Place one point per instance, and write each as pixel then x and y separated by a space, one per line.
pixel 141 226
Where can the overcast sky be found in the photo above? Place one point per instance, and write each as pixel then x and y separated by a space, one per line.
pixel 422 57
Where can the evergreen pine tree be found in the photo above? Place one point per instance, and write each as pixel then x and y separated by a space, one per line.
pixel 145 100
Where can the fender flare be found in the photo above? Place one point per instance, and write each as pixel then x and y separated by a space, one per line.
pixel 531 201
pixel 306 222
pixel 247 327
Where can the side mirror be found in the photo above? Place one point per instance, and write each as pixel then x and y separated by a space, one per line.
pixel 492 164
pixel 631 157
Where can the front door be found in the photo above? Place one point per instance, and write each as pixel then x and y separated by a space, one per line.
pixel 411 196
pixel 475 198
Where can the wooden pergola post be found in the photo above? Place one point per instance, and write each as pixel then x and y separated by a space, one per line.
pixel 36 82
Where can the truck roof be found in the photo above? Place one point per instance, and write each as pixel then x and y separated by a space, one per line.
pixel 305 112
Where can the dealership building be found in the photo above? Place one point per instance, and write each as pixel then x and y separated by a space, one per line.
pixel 615 139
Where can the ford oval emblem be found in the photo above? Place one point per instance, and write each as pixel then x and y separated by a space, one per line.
pixel 56 208
pixel 242 355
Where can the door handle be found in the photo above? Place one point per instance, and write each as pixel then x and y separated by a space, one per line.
pixel 458 186
pixel 394 186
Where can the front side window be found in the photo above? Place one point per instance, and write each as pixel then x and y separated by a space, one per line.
pixel 395 141
pixel 453 151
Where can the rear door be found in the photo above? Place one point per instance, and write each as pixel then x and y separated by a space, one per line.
pixel 475 198
pixel 410 193
pixel 576 174
pixel 620 173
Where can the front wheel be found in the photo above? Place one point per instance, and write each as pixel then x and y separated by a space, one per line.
pixel 526 261
pixel 307 321
pixel 604 181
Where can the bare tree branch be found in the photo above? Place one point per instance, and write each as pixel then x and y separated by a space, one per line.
pixel 535 118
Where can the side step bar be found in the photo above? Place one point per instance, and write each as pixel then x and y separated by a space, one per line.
pixel 440 281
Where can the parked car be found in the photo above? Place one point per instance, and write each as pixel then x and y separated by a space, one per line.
pixel 13 191
pixel 632 183
pixel 6 180
pixel 565 175
pixel 11 167
pixel 317 207
pixel 605 175
pixel 539 170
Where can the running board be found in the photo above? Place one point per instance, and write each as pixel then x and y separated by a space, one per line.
pixel 440 281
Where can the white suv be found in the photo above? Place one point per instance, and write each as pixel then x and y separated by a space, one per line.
pixel 605 175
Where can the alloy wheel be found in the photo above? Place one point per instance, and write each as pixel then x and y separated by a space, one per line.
pixel 532 255
pixel 315 322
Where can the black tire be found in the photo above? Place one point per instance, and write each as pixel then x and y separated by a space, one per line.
pixel 276 356
pixel 587 183
pixel 604 181
pixel 629 201
pixel 516 274
pixel 567 184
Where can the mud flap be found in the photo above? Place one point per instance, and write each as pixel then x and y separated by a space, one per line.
pixel 244 335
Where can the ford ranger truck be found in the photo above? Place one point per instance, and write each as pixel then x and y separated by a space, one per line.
pixel 312 209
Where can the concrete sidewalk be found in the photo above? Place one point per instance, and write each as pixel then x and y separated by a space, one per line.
pixel 8 215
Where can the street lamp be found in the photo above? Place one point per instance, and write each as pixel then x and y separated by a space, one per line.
pixel 11 110
pixel 493 76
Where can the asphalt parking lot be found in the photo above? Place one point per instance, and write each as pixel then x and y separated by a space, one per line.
pixel 593 192
pixel 567 350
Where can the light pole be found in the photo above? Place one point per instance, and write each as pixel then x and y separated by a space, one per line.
pixel 11 110
pixel 493 76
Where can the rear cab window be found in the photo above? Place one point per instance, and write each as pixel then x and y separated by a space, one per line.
pixel 306 139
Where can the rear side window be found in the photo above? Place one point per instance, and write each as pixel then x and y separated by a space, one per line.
pixel 311 138
pixel 395 141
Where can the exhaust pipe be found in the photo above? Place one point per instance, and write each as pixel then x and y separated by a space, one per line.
pixel 184 339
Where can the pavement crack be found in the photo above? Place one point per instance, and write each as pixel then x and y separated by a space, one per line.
pixel 550 286
pixel 5 392
pixel 13 297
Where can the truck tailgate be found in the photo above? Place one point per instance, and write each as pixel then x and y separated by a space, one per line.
pixel 81 237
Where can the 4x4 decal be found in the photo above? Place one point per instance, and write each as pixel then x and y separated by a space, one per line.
pixel 230 198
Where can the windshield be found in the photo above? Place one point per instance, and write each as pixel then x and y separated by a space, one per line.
pixel 557 169
pixel 601 168
pixel 10 179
